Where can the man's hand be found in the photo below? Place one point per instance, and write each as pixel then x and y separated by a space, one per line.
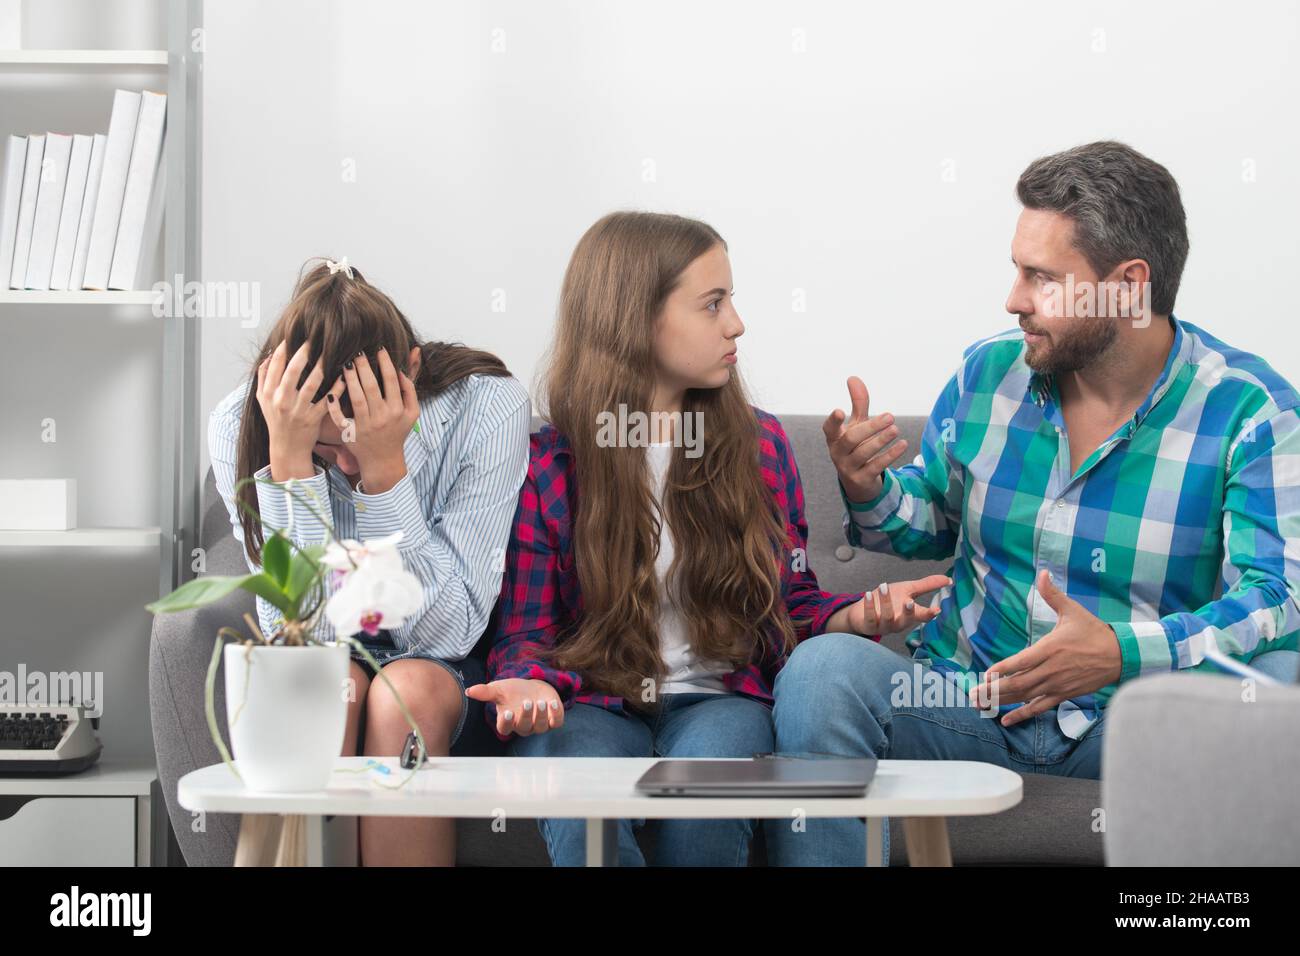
pixel 524 707
pixel 889 608
pixel 1079 656
pixel 376 435
pixel 859 445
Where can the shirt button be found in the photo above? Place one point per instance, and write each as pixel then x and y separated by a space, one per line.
pixel 360 508
pixel 844 553
pixel 1060 502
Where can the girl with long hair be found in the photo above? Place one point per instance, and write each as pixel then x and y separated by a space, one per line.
pixel 656 579
pixel 378 432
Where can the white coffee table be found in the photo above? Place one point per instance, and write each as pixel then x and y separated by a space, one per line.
pixel 288 828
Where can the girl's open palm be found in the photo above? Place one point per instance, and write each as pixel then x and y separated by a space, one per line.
pixel 894 608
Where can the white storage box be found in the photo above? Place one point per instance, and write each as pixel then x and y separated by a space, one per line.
pixel 38 504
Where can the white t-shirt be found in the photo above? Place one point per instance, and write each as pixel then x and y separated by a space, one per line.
pixel 685 674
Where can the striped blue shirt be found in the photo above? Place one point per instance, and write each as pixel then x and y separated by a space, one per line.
pixel 465 463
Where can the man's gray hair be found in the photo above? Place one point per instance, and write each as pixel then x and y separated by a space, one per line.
pixel 1124 206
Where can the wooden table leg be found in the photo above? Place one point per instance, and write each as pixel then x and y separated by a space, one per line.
pixel 293 841
pixel 259 839
pixel 927 841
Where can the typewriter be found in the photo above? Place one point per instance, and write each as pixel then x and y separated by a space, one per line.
pixel 46 739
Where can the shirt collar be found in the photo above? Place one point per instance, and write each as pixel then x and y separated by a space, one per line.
pixel 435 414
pixel 1179 353
pixel 1041 386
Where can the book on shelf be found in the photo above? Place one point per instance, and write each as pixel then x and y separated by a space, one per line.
pixel 84 211
pixel 65 245
pixel 49 203
pixel 141 175
pixel 26 210
pixel 82 245
pixel 112 184
pixel 11 191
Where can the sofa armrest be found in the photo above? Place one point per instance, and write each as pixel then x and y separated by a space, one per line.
pixel 180 648
pixel 1201 770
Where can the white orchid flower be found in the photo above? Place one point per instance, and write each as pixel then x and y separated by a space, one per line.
pixel 349 555
pixel 371 599
pixel 374 588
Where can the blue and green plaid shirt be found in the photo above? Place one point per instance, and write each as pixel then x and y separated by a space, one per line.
pixel 1180 531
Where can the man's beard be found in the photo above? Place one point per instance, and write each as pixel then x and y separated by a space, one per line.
pixel 1072 350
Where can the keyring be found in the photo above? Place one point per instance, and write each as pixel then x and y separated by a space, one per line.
pixel 411 750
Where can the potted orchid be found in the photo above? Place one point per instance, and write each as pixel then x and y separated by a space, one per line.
pixel 287 692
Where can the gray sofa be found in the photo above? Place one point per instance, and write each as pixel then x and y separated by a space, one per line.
pixel 1053 825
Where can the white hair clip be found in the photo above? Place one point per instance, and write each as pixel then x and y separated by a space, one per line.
pixel 340 266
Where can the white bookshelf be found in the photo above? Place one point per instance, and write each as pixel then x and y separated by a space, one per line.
pixel 77 297
pixel 178 529
pixel 83 538
pixel 132 59
pixel 112 804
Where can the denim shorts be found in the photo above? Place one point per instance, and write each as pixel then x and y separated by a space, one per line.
pixel 467 672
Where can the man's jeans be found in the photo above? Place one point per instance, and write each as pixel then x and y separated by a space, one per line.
pixel 683 725
pixel 833 696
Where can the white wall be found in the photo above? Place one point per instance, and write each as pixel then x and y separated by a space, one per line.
pixel 825 169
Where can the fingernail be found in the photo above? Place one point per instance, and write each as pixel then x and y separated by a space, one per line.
pixel 347 364
pixel 555 705
pixel 541 705
pixel 884 587
pixel 910 605
pixel 509 715
pixel 329 397
pixel 528 705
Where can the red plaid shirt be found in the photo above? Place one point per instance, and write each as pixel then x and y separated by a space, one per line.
pixel 540 597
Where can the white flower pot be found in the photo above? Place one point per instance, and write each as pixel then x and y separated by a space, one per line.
pixel 286 710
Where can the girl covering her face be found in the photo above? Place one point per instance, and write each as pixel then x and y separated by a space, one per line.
pixel 380 433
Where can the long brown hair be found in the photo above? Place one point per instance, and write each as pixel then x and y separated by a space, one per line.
pixel 730 540
pixel 341 316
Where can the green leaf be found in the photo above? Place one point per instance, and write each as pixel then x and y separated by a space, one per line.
pixel 203 591
pixel 275 558
pixel 304 567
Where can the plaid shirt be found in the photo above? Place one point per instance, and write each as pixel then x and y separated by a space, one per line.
pixel 540 595
pixel 1200 490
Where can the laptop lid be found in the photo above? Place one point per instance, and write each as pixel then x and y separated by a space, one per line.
pixel 766 776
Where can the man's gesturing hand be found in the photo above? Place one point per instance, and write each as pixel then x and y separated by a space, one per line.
pixel 858 445
pixel 1079 656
